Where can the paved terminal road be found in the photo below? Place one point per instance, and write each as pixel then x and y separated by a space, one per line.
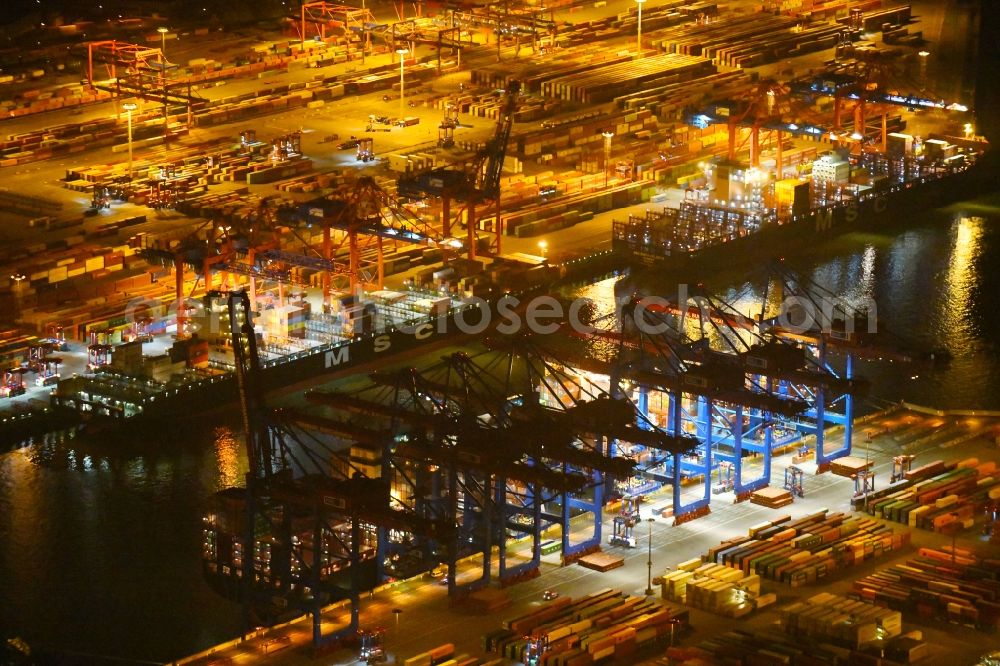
pixel 427 621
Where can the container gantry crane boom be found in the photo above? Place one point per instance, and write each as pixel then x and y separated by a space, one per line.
pixel 247 371
pixel 496 150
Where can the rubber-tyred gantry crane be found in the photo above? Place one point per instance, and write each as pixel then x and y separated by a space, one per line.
pixel 472 183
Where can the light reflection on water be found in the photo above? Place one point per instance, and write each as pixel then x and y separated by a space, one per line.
pixel 100 542
pixel 229 455
pixel 933 287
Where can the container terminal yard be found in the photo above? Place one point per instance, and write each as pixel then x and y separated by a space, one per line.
pixel 196 219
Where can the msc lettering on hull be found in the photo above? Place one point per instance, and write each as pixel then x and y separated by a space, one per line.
pixel 337 356
pixel 852 212
pixel 828 218
pixel 824 219
pixel 378 345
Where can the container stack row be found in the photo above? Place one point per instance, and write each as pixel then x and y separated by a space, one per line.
pixel 958 587
pixel 840 620
pixel 600 626
pixel 944 501
pixel 37 100
pixel 772 647
pixel 566 62
pixel 573 208
pixel 439 656
pixel 313 181
pixel 15 346
pixel 72 138
pixel 602 84
pixel 715 588
pixel 808 549
pixel 830 8
pixel 671 100
pixel 748 40
pixel 490 104
pixel 653 18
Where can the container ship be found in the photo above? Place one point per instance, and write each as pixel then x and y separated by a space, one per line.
pixel 740 210
pixel 134 388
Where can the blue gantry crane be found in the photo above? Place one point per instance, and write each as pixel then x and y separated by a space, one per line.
pixel 298 535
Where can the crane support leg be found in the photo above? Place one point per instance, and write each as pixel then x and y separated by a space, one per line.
pixel 683 511
pixel 777 157
pixel 355 258
pixel 497 229
pixel 595 507
pixel 317 625
pixel 471 228
pixel 453 517
pixel 381 263
pixel 327 251
pixel 739 487
pixel 179 296
pixel 487 514
pixel 510 575
pixel 355 574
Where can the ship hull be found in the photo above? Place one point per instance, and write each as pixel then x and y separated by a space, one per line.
pixel 886 211
pixel 321 363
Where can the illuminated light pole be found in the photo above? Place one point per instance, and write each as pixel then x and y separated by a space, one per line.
pixel 649 558
pixel 163 41
pixel 402 59
pixel 923 68
pixel 607 134
pixel 129 108
pixel 638 36
pixel 969 131
pixel 18 278
pixel 544 247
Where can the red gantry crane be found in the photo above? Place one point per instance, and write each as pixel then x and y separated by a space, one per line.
pixel 473 183
pixel 356 223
